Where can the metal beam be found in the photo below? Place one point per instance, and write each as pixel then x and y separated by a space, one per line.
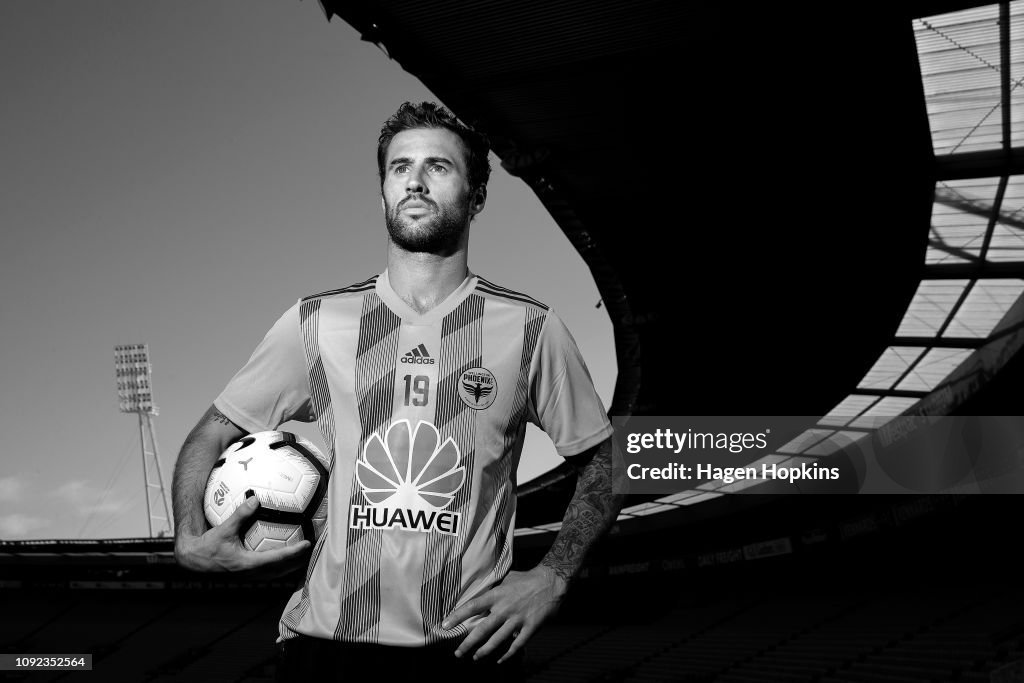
pixel 986 164
pixel 898 393
pixel 941 342
pixel 975 269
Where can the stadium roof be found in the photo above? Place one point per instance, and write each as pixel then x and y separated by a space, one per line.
pixel 807 213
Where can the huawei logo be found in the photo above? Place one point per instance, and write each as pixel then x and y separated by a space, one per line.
pixel 409 477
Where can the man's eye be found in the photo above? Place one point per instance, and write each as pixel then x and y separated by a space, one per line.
pixel 401 168
pixel 438 168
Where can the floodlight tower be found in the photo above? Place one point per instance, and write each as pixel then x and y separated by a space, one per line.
pixel 135 393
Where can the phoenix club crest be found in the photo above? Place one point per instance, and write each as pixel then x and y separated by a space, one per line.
pixel 478 388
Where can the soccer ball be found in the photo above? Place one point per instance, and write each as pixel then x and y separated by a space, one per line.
pixel 289 476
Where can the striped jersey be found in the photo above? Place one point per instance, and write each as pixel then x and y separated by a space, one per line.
pixel 424 417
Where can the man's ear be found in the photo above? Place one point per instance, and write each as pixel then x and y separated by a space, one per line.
pixel 476 204
pixel 383 206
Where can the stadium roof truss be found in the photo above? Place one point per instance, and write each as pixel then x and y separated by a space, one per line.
pixel 966 317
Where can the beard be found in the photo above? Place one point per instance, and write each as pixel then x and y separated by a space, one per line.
pixel 439 234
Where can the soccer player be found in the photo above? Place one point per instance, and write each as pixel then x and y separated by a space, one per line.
pixel 422 380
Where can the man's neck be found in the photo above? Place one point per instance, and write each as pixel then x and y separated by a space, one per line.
pixel 425 280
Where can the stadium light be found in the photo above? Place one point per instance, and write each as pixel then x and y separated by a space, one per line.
pixel 134 379
pixel 134 375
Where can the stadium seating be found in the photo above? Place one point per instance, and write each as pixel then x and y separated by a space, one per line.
pixel 892 607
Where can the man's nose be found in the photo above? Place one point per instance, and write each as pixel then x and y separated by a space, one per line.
pixel 414 183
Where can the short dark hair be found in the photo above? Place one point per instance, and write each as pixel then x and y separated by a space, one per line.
pixel 432 115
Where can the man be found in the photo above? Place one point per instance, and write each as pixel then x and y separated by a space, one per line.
pixel 422 380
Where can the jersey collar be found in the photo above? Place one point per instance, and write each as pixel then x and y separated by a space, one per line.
pixel 407 314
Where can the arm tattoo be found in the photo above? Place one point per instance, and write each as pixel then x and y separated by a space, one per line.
pixel 211 415
pixel 593 508
pixel 214 415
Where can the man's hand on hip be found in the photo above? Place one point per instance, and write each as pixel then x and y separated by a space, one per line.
pixel 220 549
pixel 514 609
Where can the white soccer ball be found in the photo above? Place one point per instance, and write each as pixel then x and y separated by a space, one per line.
pixel 287 473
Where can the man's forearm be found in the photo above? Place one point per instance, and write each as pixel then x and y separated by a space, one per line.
pixel 192 469
pixel 592 510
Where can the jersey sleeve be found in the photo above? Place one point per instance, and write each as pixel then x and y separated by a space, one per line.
pixel 273 386
pixel 563 401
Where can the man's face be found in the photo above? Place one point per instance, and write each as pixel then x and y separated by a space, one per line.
pixel 427 202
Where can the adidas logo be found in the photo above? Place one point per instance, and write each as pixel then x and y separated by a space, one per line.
pixel 409 478
pixel 419 356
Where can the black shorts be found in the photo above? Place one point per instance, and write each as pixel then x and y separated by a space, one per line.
pixel 324 661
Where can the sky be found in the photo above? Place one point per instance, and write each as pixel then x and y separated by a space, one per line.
pixel 178 175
